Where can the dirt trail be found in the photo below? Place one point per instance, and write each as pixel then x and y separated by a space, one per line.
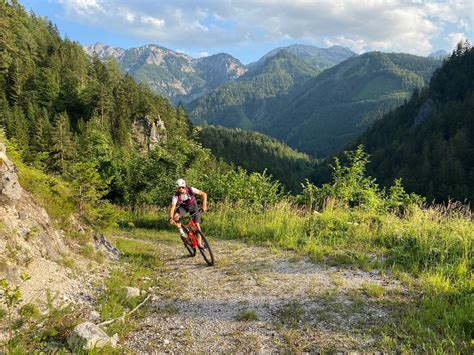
pixel 259 300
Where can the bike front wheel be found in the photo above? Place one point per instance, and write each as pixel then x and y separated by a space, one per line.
pixel 206 250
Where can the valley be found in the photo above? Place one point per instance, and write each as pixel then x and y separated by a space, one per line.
pixel 327 177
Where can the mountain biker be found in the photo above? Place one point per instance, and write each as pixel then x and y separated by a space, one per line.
pixel 184 200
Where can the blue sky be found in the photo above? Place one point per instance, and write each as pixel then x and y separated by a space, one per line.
pixel 247 29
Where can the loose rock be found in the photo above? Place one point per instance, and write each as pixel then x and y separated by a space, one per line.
pixel 88 336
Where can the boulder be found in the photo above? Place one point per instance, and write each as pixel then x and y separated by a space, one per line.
pixel 88 336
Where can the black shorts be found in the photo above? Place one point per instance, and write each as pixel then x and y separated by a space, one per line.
pixel 182 210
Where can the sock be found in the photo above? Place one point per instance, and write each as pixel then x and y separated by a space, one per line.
pixel 181 232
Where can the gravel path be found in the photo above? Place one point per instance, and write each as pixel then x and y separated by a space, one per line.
pixel 260 300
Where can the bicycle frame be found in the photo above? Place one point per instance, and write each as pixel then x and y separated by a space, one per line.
pixel 194 233
pixel 191 228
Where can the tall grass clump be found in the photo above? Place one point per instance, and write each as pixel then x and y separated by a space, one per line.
pixel 142 262
pixel 353 221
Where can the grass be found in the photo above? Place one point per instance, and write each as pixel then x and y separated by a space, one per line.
pixel 247 315
pixel 290 314
pixel 142 261
pixel 429 250
pixel 373 290
pixel 46 330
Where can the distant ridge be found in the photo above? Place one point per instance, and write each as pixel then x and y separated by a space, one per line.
pixel 321 58
pixel 249 101
pixel 441 54
pixel 316 114
pixel 172 74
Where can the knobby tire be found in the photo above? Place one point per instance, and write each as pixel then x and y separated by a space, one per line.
pixel 206 250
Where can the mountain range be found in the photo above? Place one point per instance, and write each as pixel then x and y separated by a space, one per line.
pixel 312 111
pixel 172 74
pixel 320 58
pixel 182 79
pixel 316 100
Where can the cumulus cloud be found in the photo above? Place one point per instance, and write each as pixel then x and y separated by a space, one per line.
pixel 454 38
pixel 392 25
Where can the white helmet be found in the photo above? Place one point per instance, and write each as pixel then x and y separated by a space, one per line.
pixel 180 183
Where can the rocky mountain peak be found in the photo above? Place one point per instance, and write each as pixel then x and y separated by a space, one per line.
pixel 104 51
pixel 222 67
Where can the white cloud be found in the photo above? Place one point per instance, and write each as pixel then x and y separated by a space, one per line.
pixel 454 38
pixel 465 25
pixel 391 25
pixel 203 54
pixel 152 21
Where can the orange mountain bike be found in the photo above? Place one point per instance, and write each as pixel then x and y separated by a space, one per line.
pixel 191 241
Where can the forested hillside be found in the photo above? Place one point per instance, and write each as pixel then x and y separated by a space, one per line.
pixel 256 153
pixel 319 116
pixel 429 141
pixel 257 95
pixel 320 58
pixel 74 116
pixel 62 108
pixel 334 108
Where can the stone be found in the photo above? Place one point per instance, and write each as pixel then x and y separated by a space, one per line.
pixel 132 292
pixel 88 336
pixel 114 339
pixel 94 316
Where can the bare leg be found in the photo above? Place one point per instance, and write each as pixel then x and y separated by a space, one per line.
pixel 176 219
pixel 199 236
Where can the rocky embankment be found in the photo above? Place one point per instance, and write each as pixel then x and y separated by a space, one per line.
pixel 29 243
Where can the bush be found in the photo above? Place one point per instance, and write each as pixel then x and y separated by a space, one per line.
pixel 351 188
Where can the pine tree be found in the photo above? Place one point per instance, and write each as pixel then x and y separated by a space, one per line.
pixel 62 141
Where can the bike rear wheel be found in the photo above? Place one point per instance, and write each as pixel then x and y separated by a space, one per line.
pixel 206 250
pixel 189 246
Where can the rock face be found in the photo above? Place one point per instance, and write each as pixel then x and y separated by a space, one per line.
pixel 104 51
pixel 26 223
pixel 28 241
pixel 148 132
pixel 88 336
pixel 10 189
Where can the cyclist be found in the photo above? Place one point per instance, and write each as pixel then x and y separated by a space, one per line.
pixel 184 200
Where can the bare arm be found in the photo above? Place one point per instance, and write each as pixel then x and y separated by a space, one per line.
pixel 172 210
pixel 204 201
